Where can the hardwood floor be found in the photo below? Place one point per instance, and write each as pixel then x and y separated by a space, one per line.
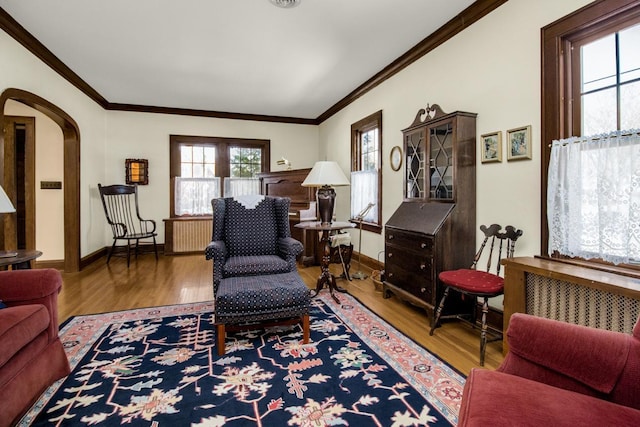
pixel 188 278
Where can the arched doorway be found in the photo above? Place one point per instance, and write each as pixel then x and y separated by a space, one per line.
pixel 71 188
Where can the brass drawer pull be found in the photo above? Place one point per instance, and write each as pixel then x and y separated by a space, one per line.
pixel 390 254
pixel 423 245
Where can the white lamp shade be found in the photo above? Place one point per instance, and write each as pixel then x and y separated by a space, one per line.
pixel 5 204
pixel 325 173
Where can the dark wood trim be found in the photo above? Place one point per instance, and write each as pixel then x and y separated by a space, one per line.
pixel 464 19
pixel 556 97
pixel 10 232
pixel 33 45
pixel 208 113
pixel 58 264
pixel 93 257
pixel 71 137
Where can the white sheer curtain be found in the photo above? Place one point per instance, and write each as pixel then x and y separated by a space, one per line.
pixel 364 190
pixel 241 186
pixel 193 195
pixel 593 197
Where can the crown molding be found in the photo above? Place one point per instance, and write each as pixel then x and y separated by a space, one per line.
pixel 33 45
pixel 208 113
pixel 464 19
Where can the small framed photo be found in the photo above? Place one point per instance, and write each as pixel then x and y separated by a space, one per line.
pixel 519 143
pixel 491 147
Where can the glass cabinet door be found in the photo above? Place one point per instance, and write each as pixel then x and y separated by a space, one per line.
pixel 441 162
pixel 414 143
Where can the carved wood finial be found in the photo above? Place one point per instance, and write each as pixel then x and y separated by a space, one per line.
pixel 426 114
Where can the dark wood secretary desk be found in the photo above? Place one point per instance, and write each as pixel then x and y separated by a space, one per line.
pixel 434 228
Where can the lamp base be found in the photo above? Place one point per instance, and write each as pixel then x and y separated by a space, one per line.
pixel 359 275
pixel 326 200
pixel 8 254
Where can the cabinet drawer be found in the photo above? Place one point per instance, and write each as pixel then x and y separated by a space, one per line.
pixel 410 241
pixel 417 285
pixel 399 257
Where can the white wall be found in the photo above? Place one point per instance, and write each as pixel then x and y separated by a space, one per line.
pixel 492 69
pixel 21 70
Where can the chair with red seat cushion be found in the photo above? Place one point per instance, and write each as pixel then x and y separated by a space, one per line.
pixel 477 283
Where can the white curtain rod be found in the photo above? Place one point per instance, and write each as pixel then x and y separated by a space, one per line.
pixel 581 139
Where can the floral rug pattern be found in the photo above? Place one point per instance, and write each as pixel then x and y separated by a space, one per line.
pixel 159 367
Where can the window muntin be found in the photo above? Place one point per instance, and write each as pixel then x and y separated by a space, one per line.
pixel 609 75
pixel 197 161
pixel 206 166
pixel 370 150
pixel 245 162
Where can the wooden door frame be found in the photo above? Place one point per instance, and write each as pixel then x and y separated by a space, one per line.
pixel 71 188
pixel 10 223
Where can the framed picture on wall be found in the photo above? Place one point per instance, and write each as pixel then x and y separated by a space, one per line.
pixel 519 143
pixel 491 147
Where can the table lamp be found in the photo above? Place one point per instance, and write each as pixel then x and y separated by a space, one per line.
pixel 6 207
pixel 325 175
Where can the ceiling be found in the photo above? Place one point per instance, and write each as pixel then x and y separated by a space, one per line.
pixel 233 56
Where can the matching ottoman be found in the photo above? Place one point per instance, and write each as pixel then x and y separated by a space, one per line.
pixel 245 301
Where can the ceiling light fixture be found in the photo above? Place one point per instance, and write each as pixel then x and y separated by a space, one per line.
pixel 286 4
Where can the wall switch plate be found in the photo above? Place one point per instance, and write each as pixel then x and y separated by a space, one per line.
pixel 51 185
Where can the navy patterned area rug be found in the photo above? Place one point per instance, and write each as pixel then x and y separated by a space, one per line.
pixel 159 367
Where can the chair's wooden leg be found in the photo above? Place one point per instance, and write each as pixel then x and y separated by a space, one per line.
pixel 305 329
pixel 436 318
pixel 221 339
pixel 113 247
pixel 483 334
pixel 128 252
pixel 155 248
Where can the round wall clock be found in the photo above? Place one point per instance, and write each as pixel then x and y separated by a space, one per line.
pixel 396 158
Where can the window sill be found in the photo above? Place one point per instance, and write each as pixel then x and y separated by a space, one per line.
pixel 367 226
pixel 627 271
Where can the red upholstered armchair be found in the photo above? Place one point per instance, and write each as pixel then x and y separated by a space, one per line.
pixel 31 354
pixel 558 374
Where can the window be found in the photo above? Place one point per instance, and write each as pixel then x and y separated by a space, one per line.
pixel 608 75
pixel 366 171
pixel 203 168
pixel 591 82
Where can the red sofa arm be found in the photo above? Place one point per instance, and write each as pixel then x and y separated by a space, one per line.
pixel 577 358
pixel 40 286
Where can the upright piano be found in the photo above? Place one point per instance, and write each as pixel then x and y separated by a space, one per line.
pixel 288 183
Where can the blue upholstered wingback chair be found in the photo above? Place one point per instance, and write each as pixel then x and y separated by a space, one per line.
pixel 253 240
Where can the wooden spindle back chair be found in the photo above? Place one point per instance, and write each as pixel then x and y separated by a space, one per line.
pixel 121 209
pixel 480 284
